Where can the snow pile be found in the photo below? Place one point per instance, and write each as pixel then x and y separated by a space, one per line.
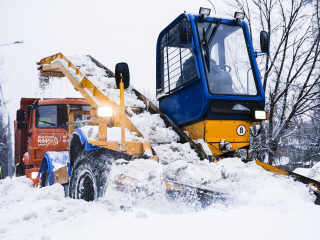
pixel 31 213
pixel 21 189
pixel 245 183
pixel 313 172
pixel 100 79
pixel 11 191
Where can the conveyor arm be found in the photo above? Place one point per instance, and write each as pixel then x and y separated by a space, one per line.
pixel 59 65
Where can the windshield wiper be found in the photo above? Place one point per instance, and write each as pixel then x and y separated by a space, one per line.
pixel 205 33
pixel 48 123
pixel 205 47
pixel 214 31
pixel 206 43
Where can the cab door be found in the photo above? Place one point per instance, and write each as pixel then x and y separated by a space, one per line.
pixel 178 78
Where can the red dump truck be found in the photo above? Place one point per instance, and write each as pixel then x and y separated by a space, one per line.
pixel 41 126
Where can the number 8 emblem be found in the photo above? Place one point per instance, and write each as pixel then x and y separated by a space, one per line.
pixel 241 130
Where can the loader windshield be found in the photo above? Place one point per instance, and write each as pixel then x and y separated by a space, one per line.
pixel 226 60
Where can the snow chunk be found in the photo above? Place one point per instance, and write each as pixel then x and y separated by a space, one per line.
pixel 139 169
pixel 205 146
pixel 313 173
pixel 113 134
pixel 141 214
pixel 172 152
pixel 55 192
pixel 153 129
pixel 239 107
pixel 29 216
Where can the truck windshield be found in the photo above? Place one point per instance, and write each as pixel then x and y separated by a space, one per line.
pixel 56 116
pixel 226 60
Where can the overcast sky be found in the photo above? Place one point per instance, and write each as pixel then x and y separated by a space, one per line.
pixel 110 31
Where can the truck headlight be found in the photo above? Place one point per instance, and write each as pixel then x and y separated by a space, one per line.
pixel 260 115
pixel 104 111
pixel 34 175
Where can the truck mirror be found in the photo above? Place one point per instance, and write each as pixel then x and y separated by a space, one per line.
pixel 124 69
pixel 29 109
pixel 264 42
pixel 185 32
pixel 22 125
pixel 20 115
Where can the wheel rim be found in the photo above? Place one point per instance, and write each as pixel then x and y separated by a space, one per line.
pixel 86 187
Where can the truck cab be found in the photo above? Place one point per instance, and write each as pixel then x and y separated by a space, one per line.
pixel 42 126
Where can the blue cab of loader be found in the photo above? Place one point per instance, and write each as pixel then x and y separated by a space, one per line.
pixel 208 79
pixel 209 91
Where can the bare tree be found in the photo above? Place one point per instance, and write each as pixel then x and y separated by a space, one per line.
pixel 3 128
pixel 290 74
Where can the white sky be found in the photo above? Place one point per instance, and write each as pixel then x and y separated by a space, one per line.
pixel 110 31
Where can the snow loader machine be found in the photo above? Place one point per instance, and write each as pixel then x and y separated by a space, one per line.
pixel 209 92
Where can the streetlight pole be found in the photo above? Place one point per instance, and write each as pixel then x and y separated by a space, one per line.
pixel 16 42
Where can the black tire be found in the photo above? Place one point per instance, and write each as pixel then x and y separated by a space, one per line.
pixel 75 149
pixel 66 189
pixel 90 173
pixel 44 179
pixel 20 170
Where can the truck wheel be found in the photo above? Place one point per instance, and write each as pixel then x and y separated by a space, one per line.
pixel 89 175
pixel 44 179
pixel 20 170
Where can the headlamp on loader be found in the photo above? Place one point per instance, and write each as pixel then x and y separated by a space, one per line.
pixel 239 15
pixel 104 111
pixel 260 115
pixel 204 11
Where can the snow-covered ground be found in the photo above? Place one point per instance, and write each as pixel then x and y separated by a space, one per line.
pixel 259 204
pixel 262 207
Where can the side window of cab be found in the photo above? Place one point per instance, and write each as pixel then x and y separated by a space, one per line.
pixel 176 64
